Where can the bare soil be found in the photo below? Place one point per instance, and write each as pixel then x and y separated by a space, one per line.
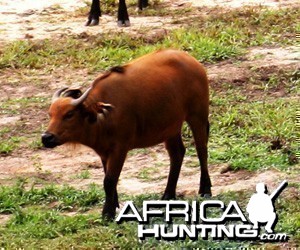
pixel 53 18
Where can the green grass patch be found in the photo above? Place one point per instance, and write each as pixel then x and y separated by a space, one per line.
pixel 85 174
pixel 150 174
pixel 9 145
pixel 113 51
pixel 272 79
pixel 242 133
pixel 41 224
pixel 66 198
pixel 14 106
pixel 26 131
pixel 250 26
pixel 36 143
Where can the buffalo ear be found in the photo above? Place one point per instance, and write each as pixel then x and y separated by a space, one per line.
pixel 98 109
pixel 103 108
pixel 74 93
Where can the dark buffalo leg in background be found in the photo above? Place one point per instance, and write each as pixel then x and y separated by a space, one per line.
pixel 123 17
pixel 142 4
pixel 94 14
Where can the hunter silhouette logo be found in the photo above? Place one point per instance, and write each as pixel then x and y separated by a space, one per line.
pixel 261 207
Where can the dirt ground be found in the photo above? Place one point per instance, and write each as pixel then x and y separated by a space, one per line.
pixel 29 19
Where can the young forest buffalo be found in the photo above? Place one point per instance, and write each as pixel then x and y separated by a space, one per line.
pixel 123 17
pixel 140 104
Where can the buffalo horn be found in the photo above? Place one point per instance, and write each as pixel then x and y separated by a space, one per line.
pixel 57 94
pixel 81 99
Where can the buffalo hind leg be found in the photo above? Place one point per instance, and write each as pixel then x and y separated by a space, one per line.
pixel 113 169
pixel 200 132
pixel 176 152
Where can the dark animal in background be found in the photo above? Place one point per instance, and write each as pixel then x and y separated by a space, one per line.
pixel 123 18
pixel 140 104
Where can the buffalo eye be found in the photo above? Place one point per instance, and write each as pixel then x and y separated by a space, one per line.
pixel 68 115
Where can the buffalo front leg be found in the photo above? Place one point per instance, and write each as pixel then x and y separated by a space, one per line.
pixel 113 167
pixel 104 163
pixel 176 151
pixel 200 132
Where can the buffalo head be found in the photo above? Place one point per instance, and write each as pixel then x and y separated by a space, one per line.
pixel 69 116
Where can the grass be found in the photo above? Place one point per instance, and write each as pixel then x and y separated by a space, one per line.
pixel 150 174
pixel 66 198
pixel 26 131
pixel 16 106
pixel 275 79
pixel 241 133
pixel 85 174
pixel 9 145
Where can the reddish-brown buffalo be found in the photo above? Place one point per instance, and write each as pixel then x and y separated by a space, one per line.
pixel 140 104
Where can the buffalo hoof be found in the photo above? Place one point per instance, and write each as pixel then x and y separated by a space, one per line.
pixel 206 196
pixel 205 192
pixel 123 23
pixel 108 215
pixel 109 212
pixel 92 22
pixel 167 197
